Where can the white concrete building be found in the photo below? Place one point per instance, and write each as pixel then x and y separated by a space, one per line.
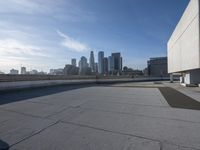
pixel 184 46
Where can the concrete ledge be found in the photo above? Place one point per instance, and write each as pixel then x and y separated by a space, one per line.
pixel 4 86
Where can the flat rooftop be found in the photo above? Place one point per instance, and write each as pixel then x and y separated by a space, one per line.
pixel 129 116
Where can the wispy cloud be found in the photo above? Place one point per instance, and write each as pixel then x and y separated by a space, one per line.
pixel 16 34
pixel 19 6
pixel 11 47
pixel 72 44
pixel 65 10
pixel 13 53
pixel 30 6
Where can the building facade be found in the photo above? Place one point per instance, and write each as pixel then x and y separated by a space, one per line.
pixel 71 70
pixel 14 71
pixel 96 68
pixel 83 66
pixel 157 67
pixel 105 65
pixel 100 62
pixel 92 62
pixel 184 46
pixel 110 65
pixel 56 71
pixel 23 70
pixel 117 62
pixel 73 62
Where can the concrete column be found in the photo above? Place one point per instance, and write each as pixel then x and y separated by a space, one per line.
pixel 171 78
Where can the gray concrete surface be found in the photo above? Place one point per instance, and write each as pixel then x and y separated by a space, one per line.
pixel 97 118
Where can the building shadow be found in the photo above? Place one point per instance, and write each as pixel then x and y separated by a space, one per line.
pixel 24 94
pixel 3 145
pixel 177 99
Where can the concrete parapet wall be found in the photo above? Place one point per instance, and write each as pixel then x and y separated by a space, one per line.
pixel 11 78
pixel 4 86
pixel 42 83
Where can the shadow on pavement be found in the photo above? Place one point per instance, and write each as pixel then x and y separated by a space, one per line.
pixel 3 145
pixel 179 100
pixel 23 94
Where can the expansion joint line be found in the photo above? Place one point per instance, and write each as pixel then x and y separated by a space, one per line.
pixel 36 133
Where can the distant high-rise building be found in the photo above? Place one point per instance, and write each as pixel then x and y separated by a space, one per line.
pixel 51 71
pixel 83 63
pixel 92 63
pixel 110 64
pixel 121 63
pixel 56 71
pixel 117 62
pixel 73 62
pixel 13 71
pixel 33 72
pixel 157 66
pixel 105 65
pixel 84 67
pixel 96 68
pixel 71 70
pixel 23 70
pixel 42 73
pixel 79 64
pixel 100 62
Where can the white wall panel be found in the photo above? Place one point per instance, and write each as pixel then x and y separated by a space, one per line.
pixel 183 46
pixel 190 47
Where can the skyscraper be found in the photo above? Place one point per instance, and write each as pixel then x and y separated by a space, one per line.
pixel 83 63
pixel 14 72
pixel 79 64
pixel 23 70
pixel 100 62
pixel 92 63
pixel 110 64
pixel 71 70
pixel 117 62
pixel 96 68
pixel 157 66
pixel 73 62
pixel 84 67
pixel 105 65
pixel 121 63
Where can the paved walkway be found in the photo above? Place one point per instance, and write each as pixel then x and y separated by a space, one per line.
pixel 96 118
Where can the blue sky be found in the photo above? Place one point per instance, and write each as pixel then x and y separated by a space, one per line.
pixel 44 34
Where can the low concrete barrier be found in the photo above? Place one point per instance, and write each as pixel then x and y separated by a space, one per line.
pixel 42 83
pixel 4 86
pixel 13 78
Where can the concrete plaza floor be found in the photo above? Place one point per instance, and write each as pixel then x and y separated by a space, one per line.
pixel 131 116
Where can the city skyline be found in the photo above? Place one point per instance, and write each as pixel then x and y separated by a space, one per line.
pixel 110 67
pixel 47 34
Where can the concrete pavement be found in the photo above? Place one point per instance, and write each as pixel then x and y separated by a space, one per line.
pixel 97 118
